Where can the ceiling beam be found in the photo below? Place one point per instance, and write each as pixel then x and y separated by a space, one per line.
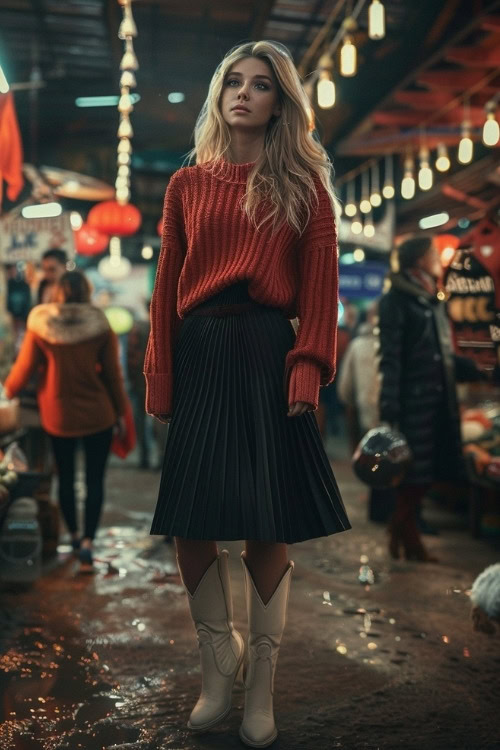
pixel 462 197
pixel 429 101
pixel 453 80
pixel 262 11
pixel 423 100
pixel 475 57
pixel 408 118
pixel 491 23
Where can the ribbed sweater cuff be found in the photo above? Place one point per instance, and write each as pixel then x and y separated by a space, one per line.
pixel 158 393
pixel 304 382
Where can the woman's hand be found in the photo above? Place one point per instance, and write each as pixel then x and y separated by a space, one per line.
pixel 163 418
pixel 120 428
pixel 299 408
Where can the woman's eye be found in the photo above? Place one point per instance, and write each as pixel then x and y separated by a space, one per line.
pixel 263 86
pixel 231 81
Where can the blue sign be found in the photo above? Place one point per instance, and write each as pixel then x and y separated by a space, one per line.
pixel 362 280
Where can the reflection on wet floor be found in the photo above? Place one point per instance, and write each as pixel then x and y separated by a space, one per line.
pixel 109 660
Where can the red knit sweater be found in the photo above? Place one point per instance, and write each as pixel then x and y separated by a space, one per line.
pixel 208 244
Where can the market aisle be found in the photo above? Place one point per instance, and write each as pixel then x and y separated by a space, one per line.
pixel 109 661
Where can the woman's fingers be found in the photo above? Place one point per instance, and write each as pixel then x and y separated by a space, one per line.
pixel 163 418
pixel 299 408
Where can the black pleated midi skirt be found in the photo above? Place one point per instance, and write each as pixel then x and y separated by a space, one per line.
pixel 236 466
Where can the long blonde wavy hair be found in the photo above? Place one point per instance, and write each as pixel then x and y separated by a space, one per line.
pixel 283 175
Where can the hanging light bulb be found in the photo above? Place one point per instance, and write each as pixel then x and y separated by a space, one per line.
pixel 123 159
pixel 375 197
pixel 123 170
pixel 369 228
pixel 124 146
pixel 350 206
pixel 466 146
pixel 425 175
pixel 388 189
pixel 122 182
pixel 326 87
pixel 348 58
pixel 376 20
pixel 129 60
pixel 491 129
pixel 408 181
pixel 443 160
pixel 122 195
pixel 125 128
pixel 365 206
pixel 125 105
pixel 356 224
pixel 127 79
pixel 326 91
pixel 76 220
pixel 127 27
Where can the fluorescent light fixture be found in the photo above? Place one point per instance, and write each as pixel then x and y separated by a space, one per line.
pixel 42 211
pixel 436 220
pixel 176 97
pixel 103 101
pixel 347 259
pixel 4 84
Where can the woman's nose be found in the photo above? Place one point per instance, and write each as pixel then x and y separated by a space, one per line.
pixel 243 92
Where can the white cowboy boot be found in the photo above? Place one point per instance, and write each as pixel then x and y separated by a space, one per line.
pixel 221 646
pixel 266 623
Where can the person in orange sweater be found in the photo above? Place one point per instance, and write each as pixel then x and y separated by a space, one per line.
pixel 249 243
pixel 81 396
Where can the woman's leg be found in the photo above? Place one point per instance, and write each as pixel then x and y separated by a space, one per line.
pixel 194 558
pixel 403 526
pixel 205 575
pixel 96 447
pixel 64 454
pixel 267 584
pixel 267 563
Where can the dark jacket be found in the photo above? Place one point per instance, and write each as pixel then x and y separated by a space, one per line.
pixel 417 368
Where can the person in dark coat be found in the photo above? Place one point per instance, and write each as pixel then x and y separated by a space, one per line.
pixel 418 371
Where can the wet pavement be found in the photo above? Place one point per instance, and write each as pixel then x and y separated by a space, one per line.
pixel 376 654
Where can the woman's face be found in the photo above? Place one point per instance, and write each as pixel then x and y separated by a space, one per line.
pixel 249 95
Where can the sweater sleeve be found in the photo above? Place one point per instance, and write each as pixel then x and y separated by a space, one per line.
pixel 311 361
pixel 112 373
pixel 158 364
pixel 29 358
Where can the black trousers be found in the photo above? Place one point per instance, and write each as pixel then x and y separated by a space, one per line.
pixel 96 448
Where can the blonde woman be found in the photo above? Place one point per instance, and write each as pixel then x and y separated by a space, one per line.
pixel 249 242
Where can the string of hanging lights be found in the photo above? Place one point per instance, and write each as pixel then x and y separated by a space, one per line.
pixel 119 218
pixel 325 90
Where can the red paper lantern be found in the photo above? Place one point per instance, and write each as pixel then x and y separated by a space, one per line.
pixel 442 241
pixel 89 241
pixel 159 227
pixel 446 245
pixel 111 218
